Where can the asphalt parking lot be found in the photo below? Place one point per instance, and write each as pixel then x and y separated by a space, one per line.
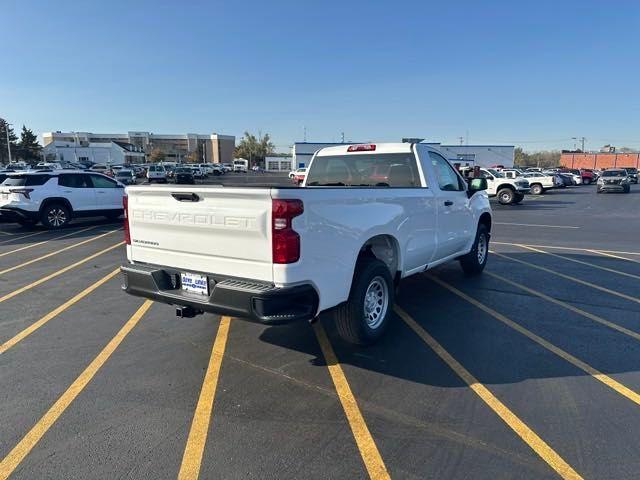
pixel 530 371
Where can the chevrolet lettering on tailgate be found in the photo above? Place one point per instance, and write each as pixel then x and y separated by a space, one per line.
pixel 195 219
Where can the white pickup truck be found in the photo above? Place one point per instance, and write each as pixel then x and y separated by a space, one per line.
pixel 538 181
pixel 366 217
pixel 507 190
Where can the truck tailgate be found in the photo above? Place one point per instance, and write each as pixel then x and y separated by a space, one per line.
pixel 217 230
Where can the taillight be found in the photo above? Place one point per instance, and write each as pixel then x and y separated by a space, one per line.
pixel 367 147
pixel 23 191
pixel 125 205
pixel 285 240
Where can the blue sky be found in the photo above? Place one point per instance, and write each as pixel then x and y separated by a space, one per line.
pixel 533 74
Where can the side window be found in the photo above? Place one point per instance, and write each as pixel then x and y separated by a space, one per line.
pixel 448 180
pixel 74 180
pixel 100 181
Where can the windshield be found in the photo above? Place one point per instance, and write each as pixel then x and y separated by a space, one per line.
pixel 614 173
pixel 631 170
pixel 364 170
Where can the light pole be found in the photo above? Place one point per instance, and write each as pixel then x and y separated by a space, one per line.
pixel 6 129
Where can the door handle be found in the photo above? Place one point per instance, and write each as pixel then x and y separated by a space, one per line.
pixel 448 203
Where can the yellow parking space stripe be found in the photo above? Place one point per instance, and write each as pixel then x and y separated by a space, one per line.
pixel 24 236
pixel 366 445
pixel 607 254
pixel 45 241
pixel 567 248
pixel 537 444
pixel 59 272
pixel 55 312
pixel 568 306
pixel 30 440
pixel 49 255
pixel 581 262
pixel 598 375
pixel 568 277
pixel 194 449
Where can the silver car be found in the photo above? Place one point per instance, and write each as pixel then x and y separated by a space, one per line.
pixel 614 180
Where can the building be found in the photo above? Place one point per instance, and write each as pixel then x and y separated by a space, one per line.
pixel 213 148
pixel 482 155
pixel 278 164
pixel 110 153
pixel 599 160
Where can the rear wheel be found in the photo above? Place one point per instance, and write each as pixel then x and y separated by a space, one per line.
pixel 474 262
pixel 627 189
pixel 586 181
pixel 505 196
pixel 363 318
pixel 55 216
pixel 536 189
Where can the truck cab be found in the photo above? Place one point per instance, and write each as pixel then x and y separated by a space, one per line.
pixel 507 190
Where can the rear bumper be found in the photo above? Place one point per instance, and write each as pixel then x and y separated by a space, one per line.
pixel 8 214
pixel 227 296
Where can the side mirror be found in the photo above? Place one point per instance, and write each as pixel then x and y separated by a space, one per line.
pixel 477 185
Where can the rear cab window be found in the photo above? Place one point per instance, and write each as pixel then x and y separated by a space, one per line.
pixel 397 170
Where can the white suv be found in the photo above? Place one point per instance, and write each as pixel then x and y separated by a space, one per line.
pixel 157 173
pixel 54 198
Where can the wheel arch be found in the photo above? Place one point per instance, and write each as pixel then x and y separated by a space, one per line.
pixel 385 248
pixel 61 200
pixel 485 219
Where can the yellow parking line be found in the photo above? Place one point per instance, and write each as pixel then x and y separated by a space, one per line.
pixel 568 306
pixel 59 272
pixel 24 236
pixel 55 312
pixel 537 444
pixel 194 449
pixel 598 375
pixel 48 255
pixel 581 262
pixel 567 248
pixel 606 254
pixel 24 446
pixel 366 445
pixel 45 241
pixel 569 277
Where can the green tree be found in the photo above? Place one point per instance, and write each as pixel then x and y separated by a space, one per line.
pixel 253 148
pixel 157 155
pixel 4 154
pixel 29 148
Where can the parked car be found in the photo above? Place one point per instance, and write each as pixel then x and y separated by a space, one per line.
pixel 588 176
pixel 227 167
pixel 281 255
pixel 100 167
pixel 125 176
pixel 632 172
pixel 197 172
pixel 184 175
pixel 56 198
pixel 157 173
pixel 241 165
pixel 614 180
pixel 218 169
pixel 538 181
pixel 300 175
pixel 507 190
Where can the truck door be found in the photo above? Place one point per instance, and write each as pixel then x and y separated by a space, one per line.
pixel 455 219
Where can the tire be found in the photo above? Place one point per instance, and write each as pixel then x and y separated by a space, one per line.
pixel 627 189
pixel 505 196
pixel 473 263
pixel 518 198
pixel 536 189
pixel 586 181
pixel 55 216
pixel 364 317
pixel 599 190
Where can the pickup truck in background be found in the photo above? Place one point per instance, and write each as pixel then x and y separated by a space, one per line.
pixel 538 182
pixel 366 217
pixel 507 190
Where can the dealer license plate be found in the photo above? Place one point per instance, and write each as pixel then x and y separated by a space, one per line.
pixel 194 283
